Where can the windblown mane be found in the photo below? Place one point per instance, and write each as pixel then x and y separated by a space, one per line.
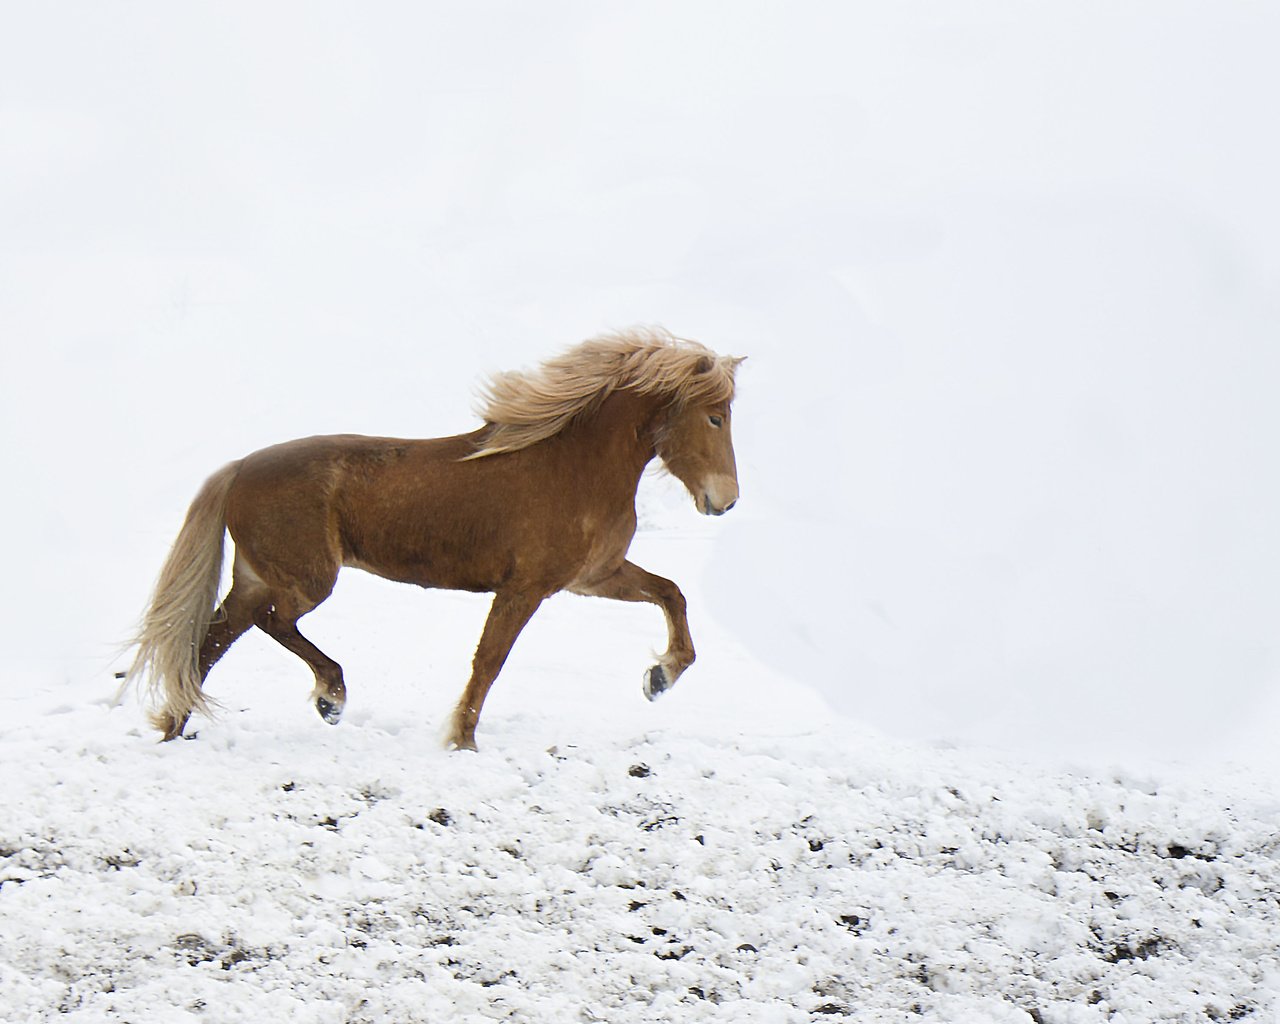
pixel 523 408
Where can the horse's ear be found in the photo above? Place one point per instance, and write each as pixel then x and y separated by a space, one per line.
pixel 705 364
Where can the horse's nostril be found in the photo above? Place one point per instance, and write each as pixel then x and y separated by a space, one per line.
pixel 731 504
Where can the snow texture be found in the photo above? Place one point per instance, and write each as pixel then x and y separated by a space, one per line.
pixel 602 859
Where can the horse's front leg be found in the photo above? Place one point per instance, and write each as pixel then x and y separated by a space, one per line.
pixel 510 613
pixel 631 583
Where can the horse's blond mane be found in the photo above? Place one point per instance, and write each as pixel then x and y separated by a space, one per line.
pixel 524 407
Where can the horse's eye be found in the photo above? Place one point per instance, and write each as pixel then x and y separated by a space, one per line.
pixel 717 421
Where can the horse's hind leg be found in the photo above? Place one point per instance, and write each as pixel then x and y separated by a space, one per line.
pixel 230 622
pixel 279 620
pixel 274 602
pixel 232 619
pixel 631 583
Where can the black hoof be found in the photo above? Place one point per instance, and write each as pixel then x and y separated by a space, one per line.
pixel 329 711
pixel 656 682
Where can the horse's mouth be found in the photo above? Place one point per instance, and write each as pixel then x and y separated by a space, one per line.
pixel 709 509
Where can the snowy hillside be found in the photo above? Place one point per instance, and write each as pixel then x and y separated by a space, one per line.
pixel 601 858
pixel 361 876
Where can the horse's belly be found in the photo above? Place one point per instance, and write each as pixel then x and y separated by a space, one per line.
pixel 424 575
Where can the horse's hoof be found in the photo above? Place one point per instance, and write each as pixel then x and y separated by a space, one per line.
pixel 656 682
pixel 172 726
pixel 330 712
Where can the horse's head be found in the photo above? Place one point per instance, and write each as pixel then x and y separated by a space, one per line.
pixel 696 446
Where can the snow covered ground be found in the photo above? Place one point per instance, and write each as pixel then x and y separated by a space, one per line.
pixel 734 852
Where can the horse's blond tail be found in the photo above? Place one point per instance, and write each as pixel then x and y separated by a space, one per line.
pixel 182 607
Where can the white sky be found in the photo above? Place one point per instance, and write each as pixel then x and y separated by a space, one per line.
pixel 1007 275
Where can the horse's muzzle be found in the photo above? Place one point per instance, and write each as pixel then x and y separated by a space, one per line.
pixel 719 494
pixel 709 508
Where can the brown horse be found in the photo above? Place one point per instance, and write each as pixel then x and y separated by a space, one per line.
pixel 538 500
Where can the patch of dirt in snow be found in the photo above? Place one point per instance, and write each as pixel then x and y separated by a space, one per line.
pixel 352 875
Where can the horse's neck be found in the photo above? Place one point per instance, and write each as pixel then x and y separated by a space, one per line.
pixel 619 439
